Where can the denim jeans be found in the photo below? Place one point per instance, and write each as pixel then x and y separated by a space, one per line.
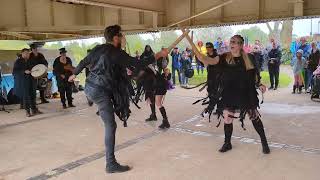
pixel 174 75
pixel 29 94
pixel 308 78
pixel 184 79
pixel 101 98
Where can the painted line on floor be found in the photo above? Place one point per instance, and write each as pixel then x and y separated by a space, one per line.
pixel 75 164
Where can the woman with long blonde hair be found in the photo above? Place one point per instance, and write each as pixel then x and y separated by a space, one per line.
pixel 239 84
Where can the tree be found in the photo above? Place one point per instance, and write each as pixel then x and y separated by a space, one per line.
pixel 254 33
pixel 275 31
pixel 13 45
pixel 212 34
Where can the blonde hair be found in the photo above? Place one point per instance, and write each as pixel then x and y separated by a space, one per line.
pixel 245 56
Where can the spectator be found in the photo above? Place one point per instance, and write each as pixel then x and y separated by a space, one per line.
pixel 305 46
pixel 297 71
pixel 220 46
pixel 274 57
pixel 199 64
pixel 312 63
pixel 176 57
pixel 148 52
pixel 162 63
pixel 190 54
pixel 185 65
pixel 167 76
pixel 258 57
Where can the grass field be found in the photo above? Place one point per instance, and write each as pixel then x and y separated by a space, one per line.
pixel 284 80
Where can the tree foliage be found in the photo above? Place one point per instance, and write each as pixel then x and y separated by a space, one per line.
pixel 254 33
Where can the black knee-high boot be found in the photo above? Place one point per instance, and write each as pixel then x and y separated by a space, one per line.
pixel 165 122
pixel 294 89
pixel 258 126
pixel 228 129
pixel 153 116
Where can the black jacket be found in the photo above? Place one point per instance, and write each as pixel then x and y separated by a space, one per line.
pixel 58 70
pixel 314 59
pixel 19 76
pixel 274 54
pixel 35 60
pixel 102 60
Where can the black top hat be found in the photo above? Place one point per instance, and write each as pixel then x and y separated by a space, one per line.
pixel 63 50
pixel 33 46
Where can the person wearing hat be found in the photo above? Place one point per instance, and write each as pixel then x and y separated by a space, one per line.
pixel 35 59
pixel 24 85
pixel 299 64
pixel 62 69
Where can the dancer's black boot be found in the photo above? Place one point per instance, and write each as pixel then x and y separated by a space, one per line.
pixel 153 116
pixel 294 89
pixel 228 129
pixel 258 126
pixel 165 122
pixel 300 89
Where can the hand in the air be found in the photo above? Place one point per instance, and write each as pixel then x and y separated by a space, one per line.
pixel 262 88
pixel 129 72
pixel 71 78
pixel 62 76
pixel 27 72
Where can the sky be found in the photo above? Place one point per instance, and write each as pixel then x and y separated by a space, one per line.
pixel 301 27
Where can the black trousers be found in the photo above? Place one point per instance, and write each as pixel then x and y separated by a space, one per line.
pixel 274 75
pixel 65 90
pixel 29 95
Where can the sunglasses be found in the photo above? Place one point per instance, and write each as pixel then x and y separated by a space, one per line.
pixel 209 47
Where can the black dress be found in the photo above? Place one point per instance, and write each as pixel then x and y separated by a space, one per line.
pixel 239 85
pixel 161 84
pixel 236 89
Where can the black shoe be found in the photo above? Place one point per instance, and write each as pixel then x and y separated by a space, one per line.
pixel 225 147
pixel 314 96
pixel 36 111
pixel 165 124
pixel 275 88
pixel 270 88
pixel 44 101
pixel 90 103
pixel 152 118
pixel 117 168
pixel 265 149
pixel 28 114
pixel 71 105
pixel 64 106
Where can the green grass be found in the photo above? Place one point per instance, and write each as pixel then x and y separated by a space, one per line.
pixel 284 80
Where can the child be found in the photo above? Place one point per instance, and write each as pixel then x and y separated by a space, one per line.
pixel 185 65
pixel 299 63
pixel 167 77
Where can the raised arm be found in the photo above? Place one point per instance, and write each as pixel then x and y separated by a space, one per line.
pixel 204 59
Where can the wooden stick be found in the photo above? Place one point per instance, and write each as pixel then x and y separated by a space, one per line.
pixel 204 12
pixel 174 44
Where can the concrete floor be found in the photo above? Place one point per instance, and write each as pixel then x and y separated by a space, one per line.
pixel 68 144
